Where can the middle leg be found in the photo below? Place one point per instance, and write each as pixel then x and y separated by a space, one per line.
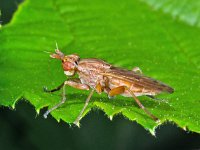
pixel 76 122
pixel 99 88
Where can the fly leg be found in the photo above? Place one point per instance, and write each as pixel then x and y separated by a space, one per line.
pixel 72 83
pixel 76 122
pixel 152 97
pixel 121 89
pixel 137 70
pixel 98 89
pixel 157 99
pixel 107 88
pixel 54 90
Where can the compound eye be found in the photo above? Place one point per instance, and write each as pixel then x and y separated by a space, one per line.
pixel 67 66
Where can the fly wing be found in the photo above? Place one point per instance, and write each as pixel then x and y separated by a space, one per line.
pixel 139 80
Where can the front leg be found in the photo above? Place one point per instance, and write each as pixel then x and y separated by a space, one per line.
pixel 76 83
pixel 53 90
pixel 73 83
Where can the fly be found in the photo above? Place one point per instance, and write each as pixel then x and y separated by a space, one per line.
pixel 99 76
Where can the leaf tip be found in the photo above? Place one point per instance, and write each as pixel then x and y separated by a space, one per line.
pixel 13 106
pixel 57 119
pixel 77 124
pixel 152 131
pixel 185 128
pixel 111 118
pixel 38 111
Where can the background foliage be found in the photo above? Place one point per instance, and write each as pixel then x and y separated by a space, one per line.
pixel 126 34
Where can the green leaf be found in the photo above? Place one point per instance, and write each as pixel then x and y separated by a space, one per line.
pixel 185 10
pixel 124 33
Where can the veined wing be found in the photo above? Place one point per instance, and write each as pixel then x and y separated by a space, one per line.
pixel 139 80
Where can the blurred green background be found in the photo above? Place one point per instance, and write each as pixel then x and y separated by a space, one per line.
pixel 23 129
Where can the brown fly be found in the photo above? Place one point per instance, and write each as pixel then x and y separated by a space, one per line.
pixel 99 76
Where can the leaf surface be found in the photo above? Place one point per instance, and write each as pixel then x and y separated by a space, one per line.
pixel 125 34
pixel 185 10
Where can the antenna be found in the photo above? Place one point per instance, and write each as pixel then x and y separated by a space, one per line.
pixel 47 52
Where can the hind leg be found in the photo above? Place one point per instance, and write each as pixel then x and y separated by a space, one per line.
pixel 121 89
